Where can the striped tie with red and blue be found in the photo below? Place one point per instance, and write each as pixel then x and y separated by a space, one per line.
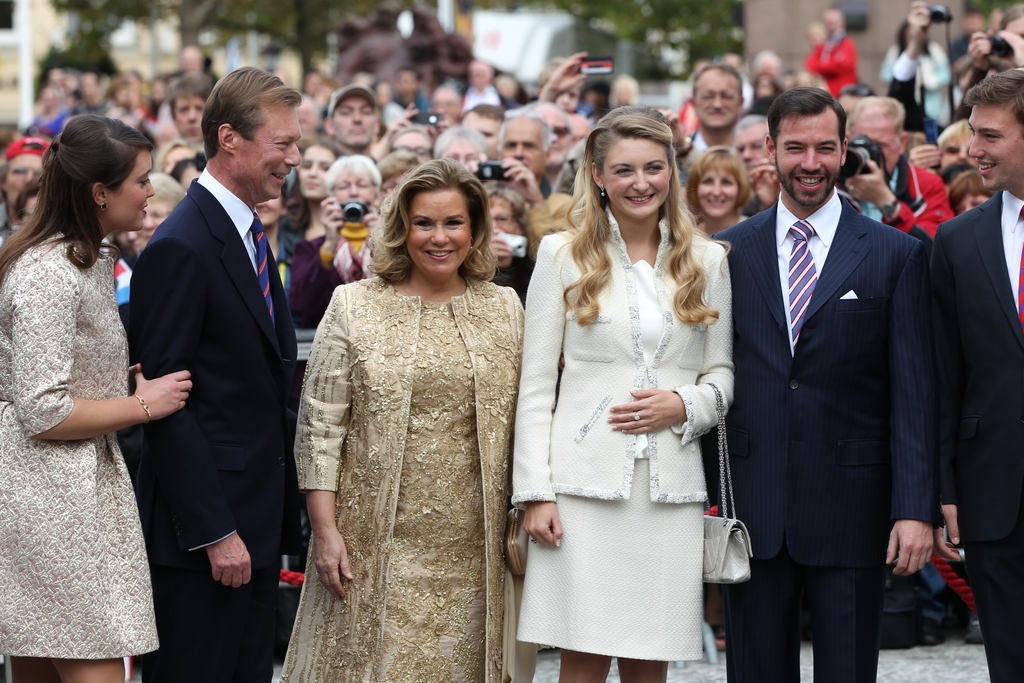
pixel 260 240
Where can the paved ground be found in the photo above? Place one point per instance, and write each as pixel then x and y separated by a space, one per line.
pixel 951 662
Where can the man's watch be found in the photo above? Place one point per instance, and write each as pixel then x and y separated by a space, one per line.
pixel 890 210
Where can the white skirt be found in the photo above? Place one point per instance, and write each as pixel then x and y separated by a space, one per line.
pixel 625 581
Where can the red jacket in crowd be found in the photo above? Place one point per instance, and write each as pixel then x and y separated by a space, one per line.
pixel 835 62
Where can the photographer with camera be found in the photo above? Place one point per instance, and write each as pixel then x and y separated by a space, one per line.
pixel 877 174
pixel 342 254
pixel 993 52
pixel 922 63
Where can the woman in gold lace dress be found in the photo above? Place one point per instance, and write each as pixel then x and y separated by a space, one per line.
pixel 402 449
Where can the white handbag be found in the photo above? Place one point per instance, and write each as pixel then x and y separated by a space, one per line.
pixel 727 549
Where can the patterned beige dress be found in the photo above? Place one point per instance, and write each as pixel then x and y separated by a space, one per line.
pixel 74 580
pixel 406 413
pixel 436 599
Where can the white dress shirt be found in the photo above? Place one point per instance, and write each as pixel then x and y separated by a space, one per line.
pixel 824 221
pixel 1013 238
pixel 238 212
pixel 652 325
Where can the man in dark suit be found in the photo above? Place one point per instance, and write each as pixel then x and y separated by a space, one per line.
pixel 832 431
pixel 977 286
pixel 217 488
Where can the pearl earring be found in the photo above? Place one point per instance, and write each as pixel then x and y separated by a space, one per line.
pixel 602 192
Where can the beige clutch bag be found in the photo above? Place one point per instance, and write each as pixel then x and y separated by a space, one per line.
pixel 517 542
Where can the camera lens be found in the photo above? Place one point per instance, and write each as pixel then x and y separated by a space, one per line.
pixel 940 14
pixel 1000 48
pixel 353 212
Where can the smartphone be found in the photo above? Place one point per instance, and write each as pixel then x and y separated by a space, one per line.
pixel 931 131
pixel 426 118
pixel 597 65
pixel 491 170
pixel 517 242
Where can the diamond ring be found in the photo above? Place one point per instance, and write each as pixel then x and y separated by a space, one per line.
pixel 636 416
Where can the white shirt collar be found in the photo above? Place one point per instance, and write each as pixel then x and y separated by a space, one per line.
pixel 824 221
pixel 1011 210
pixel 238 212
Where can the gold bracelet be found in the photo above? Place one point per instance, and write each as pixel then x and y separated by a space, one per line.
pixel 149 415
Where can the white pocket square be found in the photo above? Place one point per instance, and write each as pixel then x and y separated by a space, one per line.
pixel 849 295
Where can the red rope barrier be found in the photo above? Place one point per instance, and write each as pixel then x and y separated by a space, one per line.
pixel 293 578
pixel 954 581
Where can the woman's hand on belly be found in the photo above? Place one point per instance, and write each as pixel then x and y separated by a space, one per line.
pixel 657 409
pixel 542 523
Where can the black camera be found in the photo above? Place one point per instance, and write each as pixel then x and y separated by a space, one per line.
pixel 858 151
pixel 491 170
pixel 1000 48
pixel 354 212
pixel 426 118
pixel 940 14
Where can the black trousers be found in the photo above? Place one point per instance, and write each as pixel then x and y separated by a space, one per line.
pixel 762 618
pixel 209 632
pixel 996 570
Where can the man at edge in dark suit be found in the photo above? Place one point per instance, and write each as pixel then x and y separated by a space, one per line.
pixel 977 286
pixel 217 488
pixel 832 434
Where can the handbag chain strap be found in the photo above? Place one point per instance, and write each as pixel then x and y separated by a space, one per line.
pixel 724 468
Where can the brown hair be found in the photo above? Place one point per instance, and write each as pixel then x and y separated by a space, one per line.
pixel 520 209
pixel 238 100
pixel 591 230
pixel 1003 88
pixel 967 183
pixel 91 149
pixel 193 84
pixel 800 102
pixel 391 260
pixel 718 158
pixel 397 163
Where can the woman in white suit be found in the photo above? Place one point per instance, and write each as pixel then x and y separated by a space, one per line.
pixel 639 304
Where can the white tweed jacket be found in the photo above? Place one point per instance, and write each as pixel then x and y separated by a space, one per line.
pixel 568 447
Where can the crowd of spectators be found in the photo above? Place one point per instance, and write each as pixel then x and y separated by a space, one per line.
pixel 361 138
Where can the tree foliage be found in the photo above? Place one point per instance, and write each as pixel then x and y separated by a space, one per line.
pixel 698 28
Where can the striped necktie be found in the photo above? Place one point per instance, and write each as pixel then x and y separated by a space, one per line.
pixel 259 238
pixel 1020 280
pixel 802 276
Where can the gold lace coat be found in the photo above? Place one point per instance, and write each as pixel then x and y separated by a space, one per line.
pixel 353 424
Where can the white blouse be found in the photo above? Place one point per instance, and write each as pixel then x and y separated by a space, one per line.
pixel 651 325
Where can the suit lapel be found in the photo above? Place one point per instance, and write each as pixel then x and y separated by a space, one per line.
pixel 764 263
pixel 236 262
pixel 847 251
pixel 988 231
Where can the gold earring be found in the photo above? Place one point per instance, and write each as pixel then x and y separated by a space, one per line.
pixel 103 206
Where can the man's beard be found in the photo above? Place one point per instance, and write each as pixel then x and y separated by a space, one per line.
pixel 803 197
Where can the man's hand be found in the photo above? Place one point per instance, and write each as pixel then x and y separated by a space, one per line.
pixel 764 181
pixel 979 49
pixel 542 524
pixel 1017 43
pixel 911 542
pixel 566 77
pixel 919 21
pixel 871 187
pixel 926 156
pixel 230 561
pixel 522 179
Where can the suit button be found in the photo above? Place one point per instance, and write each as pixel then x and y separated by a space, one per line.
pixel 280 461
pixel 793 384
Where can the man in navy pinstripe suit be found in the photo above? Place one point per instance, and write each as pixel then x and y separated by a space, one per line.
pixel 832 433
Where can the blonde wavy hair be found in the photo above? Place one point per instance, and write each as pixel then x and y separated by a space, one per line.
pixel 590 230
pixel 390 255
